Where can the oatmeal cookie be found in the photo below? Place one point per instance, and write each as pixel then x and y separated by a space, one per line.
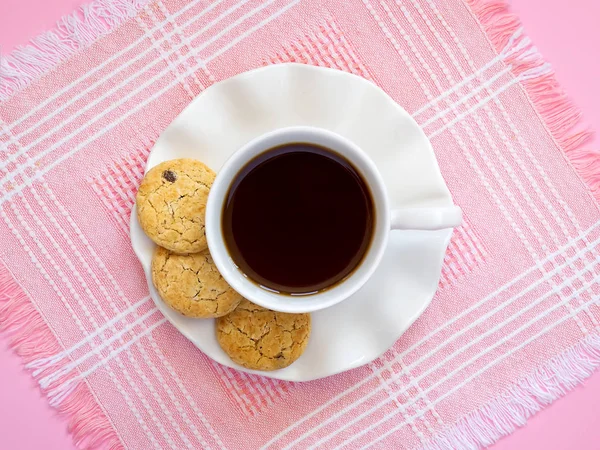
pixel 261 339
pixel 192 285
pixel 171 204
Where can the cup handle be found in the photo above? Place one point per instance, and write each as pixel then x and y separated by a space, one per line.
pixel 426 218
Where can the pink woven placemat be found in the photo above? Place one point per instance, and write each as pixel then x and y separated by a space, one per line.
pixel 513 326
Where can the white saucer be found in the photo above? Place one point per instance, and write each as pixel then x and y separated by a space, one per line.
pixel 230 113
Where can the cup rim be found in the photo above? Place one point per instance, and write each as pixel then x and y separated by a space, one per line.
pixel 286 302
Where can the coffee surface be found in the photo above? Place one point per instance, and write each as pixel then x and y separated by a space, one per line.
pixel 298 218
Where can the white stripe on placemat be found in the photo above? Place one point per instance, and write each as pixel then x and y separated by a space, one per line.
pixel 449 376
pixel 164 363
pixel 532 73
pixel 113 58
pixel 534 54
pixel 75 318
pixel 454 106
pixel 528 74
pixel 96 351
pixel 66 281
pixel 55 393
pixel 43 363
pixel 461 144
pixel 33 236
pixel 105 293
pixel 568 261
pixel 509 49
pixel 491 364
pixel 106 94
pixel 141 105
pixel 157 43
pixel 474 138
pixel 531 54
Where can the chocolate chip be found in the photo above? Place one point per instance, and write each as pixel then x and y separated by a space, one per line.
pixel 169 176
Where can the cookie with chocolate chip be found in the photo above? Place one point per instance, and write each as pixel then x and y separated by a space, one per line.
pixel 260 339
pixel 192 285
pixel 171 204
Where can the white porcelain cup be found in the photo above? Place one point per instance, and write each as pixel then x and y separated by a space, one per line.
pixel 386 220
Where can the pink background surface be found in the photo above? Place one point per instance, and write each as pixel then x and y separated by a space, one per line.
pixel 569 37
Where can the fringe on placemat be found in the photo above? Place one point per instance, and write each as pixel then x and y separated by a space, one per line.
pixel 557 112
pixel 512 408
pixel 503 415
pixel 30 337
pixel 74 32
pixel 28 334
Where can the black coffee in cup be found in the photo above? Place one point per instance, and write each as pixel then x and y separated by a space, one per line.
pixel 298 219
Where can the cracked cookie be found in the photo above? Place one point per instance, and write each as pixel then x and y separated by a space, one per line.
pixel 192 285
pixel 171 204
pixel 261 339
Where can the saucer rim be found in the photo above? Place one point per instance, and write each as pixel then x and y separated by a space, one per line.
pixel 283 374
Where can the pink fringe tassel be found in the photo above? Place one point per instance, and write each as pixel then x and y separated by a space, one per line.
pixel 74 32
pixel 30 337
pixel 511 409
pixel 560 116
pixel 501 416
